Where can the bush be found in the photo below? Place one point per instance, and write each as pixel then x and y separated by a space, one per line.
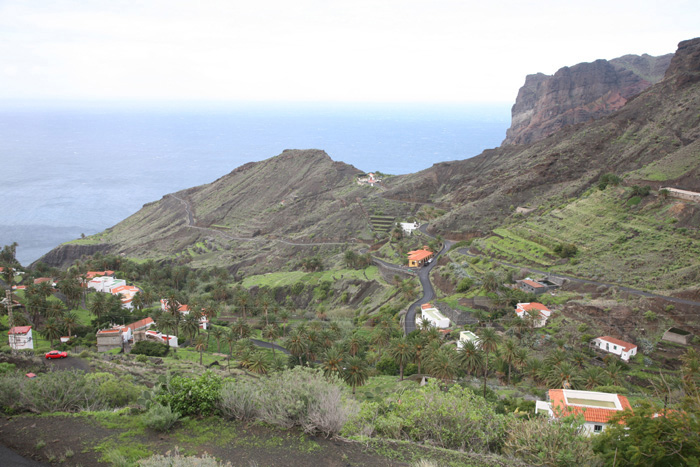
pixel 633 201
pixel 608 179
pixel 298 397
pixel 464 285
pixel 191 396
pixel 161 418
pixel 141 358
pixel 541 441
pixel 114 391
pixel 453 419
pixel 58 391
pixel 176 460
pixel 150 349
pixel 6 368
pixel 566 250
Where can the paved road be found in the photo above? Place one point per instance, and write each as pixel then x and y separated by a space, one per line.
pixel 465 251
pixel 428 291
pixel 269 345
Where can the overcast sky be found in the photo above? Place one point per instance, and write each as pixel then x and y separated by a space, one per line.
pixel 325 50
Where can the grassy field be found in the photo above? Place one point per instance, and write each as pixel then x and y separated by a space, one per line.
pixel 281 279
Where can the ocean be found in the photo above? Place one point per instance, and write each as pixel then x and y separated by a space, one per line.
pixel 69 169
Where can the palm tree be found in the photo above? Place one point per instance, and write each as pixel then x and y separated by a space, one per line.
pixel 98 305
pixel 442 363
pixel 218 334
pixel 355 344
pixel 562 375
pixel 470 357
pixel 418 349
pixel 52 330
pixel 401 351
pixel 297 344
pixel 424 324
pixel 265 301
pixel 190 325
pixel 200 346
pixel 592 377
pixel 167 324
pixel 271 332
pixel 173 307
pixel 231 337
pixel 355 372
pixel 534 368
pixel 242 300
pixel 488 340
pixel 332 361
pixel 284 316
pixel 259 363
pixel 241 328
pixel 509 355
pixel 70 321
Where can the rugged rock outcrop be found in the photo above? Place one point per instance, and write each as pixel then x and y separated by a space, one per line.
pixel 583 92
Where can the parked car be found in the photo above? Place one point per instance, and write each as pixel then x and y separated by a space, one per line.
pixel 56 354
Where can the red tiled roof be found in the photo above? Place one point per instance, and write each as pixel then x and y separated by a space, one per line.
pixel 533 306
pixel 109 331
pixel 590 414
pixel 42 279
pixel 626 346
pixel 91 274
pixel 140 324
pixel 425 306
pixel 419 255
pixel 532 283
pixel 19 330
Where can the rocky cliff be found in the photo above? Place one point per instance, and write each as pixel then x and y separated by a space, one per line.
pixel 587 91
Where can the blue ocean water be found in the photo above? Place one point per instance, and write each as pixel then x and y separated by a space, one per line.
pixel 69 169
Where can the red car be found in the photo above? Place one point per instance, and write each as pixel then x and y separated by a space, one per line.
pixel 56 354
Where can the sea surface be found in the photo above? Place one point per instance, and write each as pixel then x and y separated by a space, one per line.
pixel 68 169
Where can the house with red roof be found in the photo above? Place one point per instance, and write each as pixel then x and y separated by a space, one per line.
pixel 20 337
pixel 93 274
pixel 418 258
pixel 615 346
pixel 538 311
pixel 596 407
pixel 184 311
pixel 108 339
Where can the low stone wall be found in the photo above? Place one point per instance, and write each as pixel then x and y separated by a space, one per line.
pixel 460 318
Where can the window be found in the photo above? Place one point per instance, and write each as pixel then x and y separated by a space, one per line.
pixel 614 347
pixel 597 428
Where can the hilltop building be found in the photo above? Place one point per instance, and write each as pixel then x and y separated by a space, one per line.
pixel 541 312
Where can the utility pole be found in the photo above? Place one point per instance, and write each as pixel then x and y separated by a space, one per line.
pixel 10 321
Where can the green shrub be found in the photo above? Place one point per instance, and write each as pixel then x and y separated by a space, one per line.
pixel 566 250
pixel 633 201
pixel 541 441
pixel 141 358
pixel 160 418
pixel 453 419
pixel 464 285
pixel 150 348
pixel 114 391
pixel 191 396
pixel 58 391
pixel 6 368
pixel 608 179
pixel 176 460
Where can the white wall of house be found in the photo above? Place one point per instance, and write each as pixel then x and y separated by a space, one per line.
pixel 616 349
pixel 466 336
pixel 21 341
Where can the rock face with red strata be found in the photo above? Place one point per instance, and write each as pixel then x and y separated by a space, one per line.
pixel 577 94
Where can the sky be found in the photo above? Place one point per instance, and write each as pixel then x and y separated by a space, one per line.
pixel 317 50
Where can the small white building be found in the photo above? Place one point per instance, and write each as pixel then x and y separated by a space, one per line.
pixel 105 283
pixel 128 292
pixel 540 312
pixel 615 346
pixel 20 338
pixel 433 315
pixel 467 336
pixel 408 227
pixel 160 337
pixel 596 407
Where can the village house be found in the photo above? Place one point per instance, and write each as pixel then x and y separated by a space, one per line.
pixel 467 336
pixel 160 337
pixel 408 227
pixel 615 346
pixel 596 407
pixel 419 258
pixel 538 311
pixel 20 338
pixel 128 292
pixel 530 286
pixel 105 284
pixel 432 314
pixel 93 274
pixel 108 339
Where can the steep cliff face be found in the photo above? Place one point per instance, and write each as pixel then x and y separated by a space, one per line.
pixel 587 91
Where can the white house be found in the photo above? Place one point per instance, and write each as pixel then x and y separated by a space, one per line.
pixel 128 292
pixel 596 407
pixel 609 344
pixel 541 312
pixel 433 315
pixel 467 336
pixel 184 311
pixel 105 283
pixel 408 227
pixel 20 337
pixel 160 337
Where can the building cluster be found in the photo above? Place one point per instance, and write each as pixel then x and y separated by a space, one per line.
pixel 368 179
pixel 105 282
pixel 118 337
